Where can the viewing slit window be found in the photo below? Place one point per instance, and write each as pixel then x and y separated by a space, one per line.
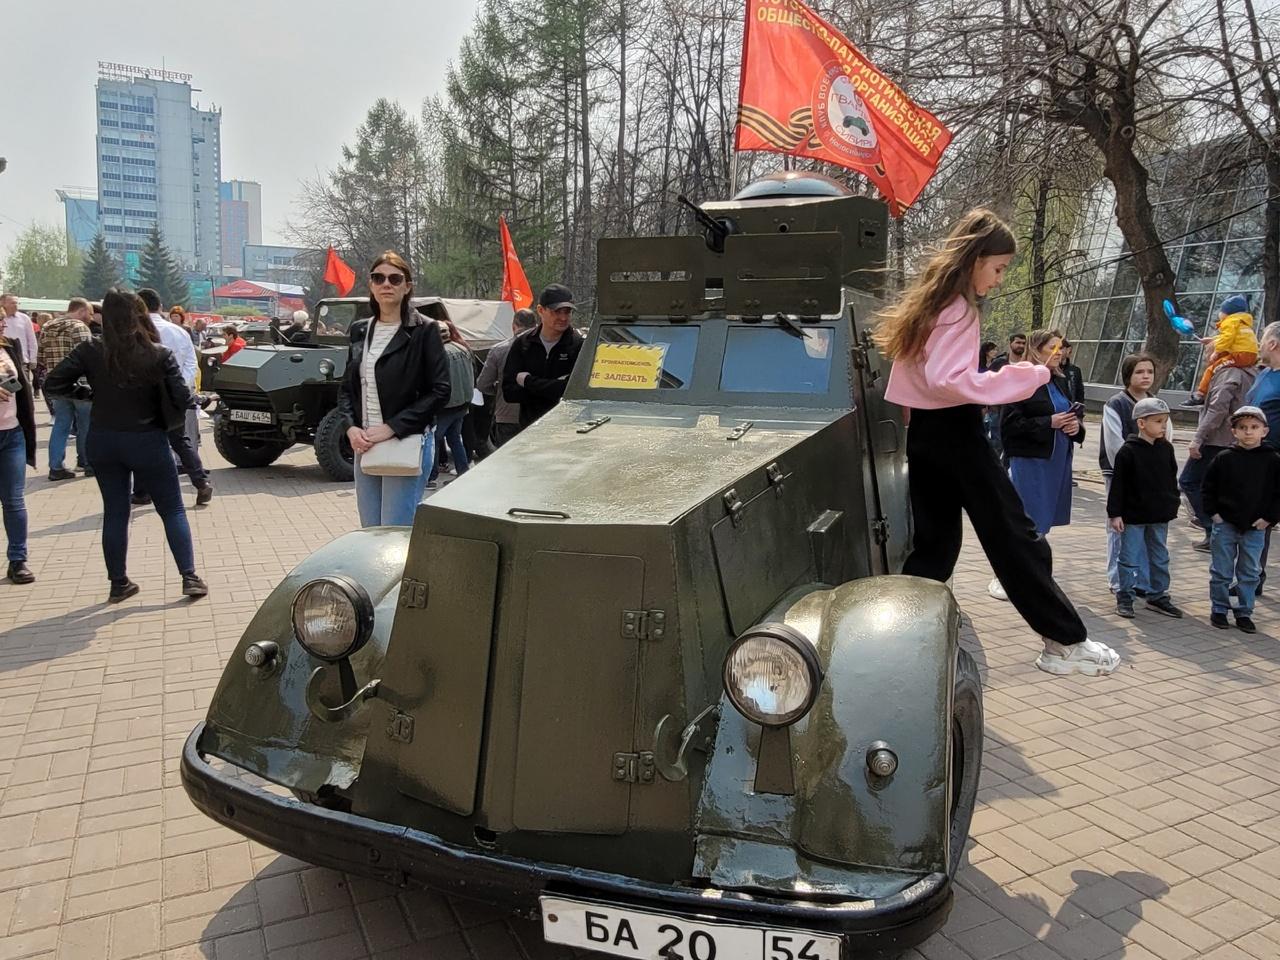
pixel 760 359
pixel 636 356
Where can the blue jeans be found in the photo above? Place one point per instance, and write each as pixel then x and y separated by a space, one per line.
pixel 1192 477
pixel 1144 557
pixel 13 482
pixel 1113 556
pixel 66 414
pixel 1235 553
pixel 449 426
pixel 117 456
pixel 392 501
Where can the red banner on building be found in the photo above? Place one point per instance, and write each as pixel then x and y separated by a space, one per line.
pixel 808 92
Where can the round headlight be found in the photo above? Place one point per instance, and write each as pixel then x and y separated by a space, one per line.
pixel 332 617
pixel 772 675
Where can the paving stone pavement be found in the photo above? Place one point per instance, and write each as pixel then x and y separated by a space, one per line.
pixel 1135 816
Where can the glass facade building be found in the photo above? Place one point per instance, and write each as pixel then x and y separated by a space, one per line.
pixel 1102 310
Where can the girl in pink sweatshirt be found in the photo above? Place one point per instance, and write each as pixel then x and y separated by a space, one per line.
pixel 932 334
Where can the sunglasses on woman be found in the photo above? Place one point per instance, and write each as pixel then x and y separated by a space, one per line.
pixel 395 279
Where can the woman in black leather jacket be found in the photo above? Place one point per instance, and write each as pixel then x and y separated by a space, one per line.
pixel 395 383
pixel 138 396
pixel 1038 436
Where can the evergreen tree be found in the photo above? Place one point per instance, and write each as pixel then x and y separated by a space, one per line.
pixel 159 271
pixel 101 272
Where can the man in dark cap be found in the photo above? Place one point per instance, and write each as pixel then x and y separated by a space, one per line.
pixel 540 360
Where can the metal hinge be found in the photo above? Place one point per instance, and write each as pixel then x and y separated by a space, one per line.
pixel 862 348
pixel 413 594
pixel 776 477
pixel 733 505
pixel 401 727
pixel 644 624
pixel 880 529
pixel 634 767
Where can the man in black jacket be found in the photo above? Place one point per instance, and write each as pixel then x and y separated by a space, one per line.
pixel 540 361
pixel 1142 500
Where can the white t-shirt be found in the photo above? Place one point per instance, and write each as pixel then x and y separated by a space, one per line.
pixel 379 337
pixel 178 340
pixel 8 408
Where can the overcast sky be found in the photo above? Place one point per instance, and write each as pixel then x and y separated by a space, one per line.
pixel 294 78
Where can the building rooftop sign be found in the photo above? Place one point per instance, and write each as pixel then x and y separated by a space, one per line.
pixel 125 71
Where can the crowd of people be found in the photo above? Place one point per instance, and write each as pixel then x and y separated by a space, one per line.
pixel 990 435
pixel 1231 479
pixel 122 379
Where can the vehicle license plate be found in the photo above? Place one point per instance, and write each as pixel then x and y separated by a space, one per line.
pixel 653 936
pixel 252 416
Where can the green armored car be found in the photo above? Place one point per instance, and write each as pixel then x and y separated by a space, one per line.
pixel 648 673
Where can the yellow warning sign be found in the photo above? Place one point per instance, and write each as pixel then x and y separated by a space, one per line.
pixel 628 366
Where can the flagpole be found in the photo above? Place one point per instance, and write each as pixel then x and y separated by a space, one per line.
pixel 733 175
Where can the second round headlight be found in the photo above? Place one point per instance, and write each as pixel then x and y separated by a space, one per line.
pixel 771 675
pixel 332 617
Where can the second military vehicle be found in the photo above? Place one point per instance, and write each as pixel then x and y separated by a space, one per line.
pixel 646 673
pixel 274 394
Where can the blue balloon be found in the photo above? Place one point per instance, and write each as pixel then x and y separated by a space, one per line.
pixel 1180 324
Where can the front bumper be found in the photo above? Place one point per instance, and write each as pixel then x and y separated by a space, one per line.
pixel 402 855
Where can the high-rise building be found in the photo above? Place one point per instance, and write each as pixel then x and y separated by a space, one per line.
pixel 80 210
pixel 159 163
pixel 241 222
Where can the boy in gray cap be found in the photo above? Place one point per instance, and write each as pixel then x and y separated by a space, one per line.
pixel 1242 494
pixel 1142 500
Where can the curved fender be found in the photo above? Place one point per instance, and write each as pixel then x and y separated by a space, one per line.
pixel 888 650
pixel 259 718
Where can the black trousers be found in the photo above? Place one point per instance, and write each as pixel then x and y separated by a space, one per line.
pixel 953 468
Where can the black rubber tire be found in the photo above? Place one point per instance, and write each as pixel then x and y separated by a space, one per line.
pixel 966 753
pixel 333 449
pixel 246 453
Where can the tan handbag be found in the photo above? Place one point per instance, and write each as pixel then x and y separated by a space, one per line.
pixel 397 457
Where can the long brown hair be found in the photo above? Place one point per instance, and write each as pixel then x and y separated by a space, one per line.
pixel 905 326
pixel 129 338
pixel 397 261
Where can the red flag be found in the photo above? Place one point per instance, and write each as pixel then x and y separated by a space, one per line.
pixel 807 91
pixel 515 285
pixel 338 273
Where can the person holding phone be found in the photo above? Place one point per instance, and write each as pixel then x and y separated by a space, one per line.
pixel 1038 435
pixel 17 452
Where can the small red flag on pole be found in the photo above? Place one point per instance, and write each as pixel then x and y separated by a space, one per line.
pixel 515 285
pixel 338 273
pixel 806 91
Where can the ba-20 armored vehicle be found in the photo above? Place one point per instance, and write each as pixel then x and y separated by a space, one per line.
pixel 647 672
pixel 274 394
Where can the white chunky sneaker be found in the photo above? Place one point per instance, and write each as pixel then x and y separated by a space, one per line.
pixel 996 590
pixel 1091 658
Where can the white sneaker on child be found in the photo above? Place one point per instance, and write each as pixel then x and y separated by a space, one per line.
pixel 1090 658
pixel 996 590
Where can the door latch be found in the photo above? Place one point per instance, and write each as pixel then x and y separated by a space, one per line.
pixel 634 767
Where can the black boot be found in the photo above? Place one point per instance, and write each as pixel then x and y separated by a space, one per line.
pixel 193 586
pixel 122 590
pixel 20 573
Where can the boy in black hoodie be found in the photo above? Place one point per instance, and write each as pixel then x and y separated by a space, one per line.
pixel 1142 500
pixel 1241 493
